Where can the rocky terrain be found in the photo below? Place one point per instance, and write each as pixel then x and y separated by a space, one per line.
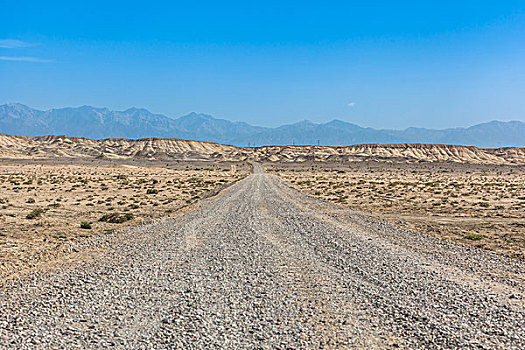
pixel 42 147
pixel 44 208
pixel 480 205
pixel 264 266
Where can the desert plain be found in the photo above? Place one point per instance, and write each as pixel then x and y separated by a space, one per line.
pixel 474 204
pixel 184 244
pixel 46 204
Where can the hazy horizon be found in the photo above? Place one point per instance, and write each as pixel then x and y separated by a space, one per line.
pixel 101 122
pixel 252 124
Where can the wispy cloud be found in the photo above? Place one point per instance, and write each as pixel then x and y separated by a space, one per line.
pixel 13 44
pixel 351 104
pixel 25 59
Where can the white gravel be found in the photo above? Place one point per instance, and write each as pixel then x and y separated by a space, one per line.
pixel 262 266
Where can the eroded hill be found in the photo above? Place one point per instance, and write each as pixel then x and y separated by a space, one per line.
pixel 39 147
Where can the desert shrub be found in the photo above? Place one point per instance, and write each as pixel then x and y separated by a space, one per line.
pixel 152 191
pixel 30 200
pixel 116 218
pixel 474 237
pixel 35 213
pixel 85 225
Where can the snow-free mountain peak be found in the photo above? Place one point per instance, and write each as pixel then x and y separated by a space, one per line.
pixel 95 122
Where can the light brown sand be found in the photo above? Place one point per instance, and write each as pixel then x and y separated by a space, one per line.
pixel 481 206
pixel 67 195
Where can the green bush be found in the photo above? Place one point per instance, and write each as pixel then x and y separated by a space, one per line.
pixel 152 191
pixel 85 225
pixel 116 218
pixel 36 213
pixel 474 237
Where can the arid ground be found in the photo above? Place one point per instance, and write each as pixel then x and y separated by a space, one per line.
pixel 183 244
pixel 44 203
pixel 480 205
pixel 260 265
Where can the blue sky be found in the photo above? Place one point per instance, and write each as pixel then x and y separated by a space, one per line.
pixel 382 64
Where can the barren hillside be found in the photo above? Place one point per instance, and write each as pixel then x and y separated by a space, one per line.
pixel 19 147
pixel 394 152
pixel 78 147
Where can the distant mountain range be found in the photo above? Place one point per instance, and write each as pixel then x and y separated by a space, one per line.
pixel 97 123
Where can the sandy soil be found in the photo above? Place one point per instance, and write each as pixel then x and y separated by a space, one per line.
pixel 477 205
pixel 263 266
pixel 43 205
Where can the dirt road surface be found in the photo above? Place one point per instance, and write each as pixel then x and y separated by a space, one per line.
pixel 262 266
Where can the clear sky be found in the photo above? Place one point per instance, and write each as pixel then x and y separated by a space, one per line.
pixel 384 64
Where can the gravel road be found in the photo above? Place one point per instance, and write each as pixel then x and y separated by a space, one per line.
pixel 262 266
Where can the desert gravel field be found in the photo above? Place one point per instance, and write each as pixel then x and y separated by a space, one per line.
pixel 474 204
pixel 263 266
pixel 44 203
